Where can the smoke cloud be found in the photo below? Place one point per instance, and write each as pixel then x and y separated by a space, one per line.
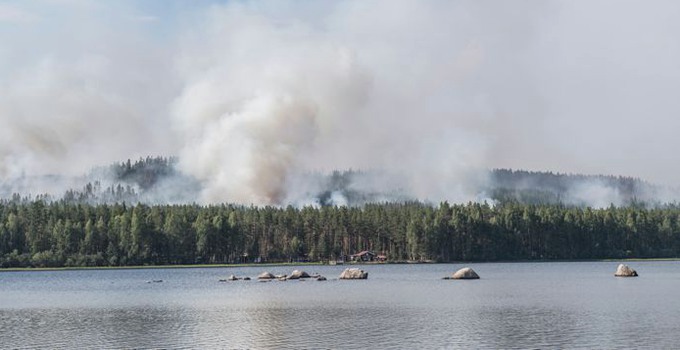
pixel 78 88
pixel 254 97
pixel 274 98
pixel 255 110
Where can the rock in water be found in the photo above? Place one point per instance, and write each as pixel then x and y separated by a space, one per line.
pixel 266 276
pixel 321 278
pixel 353 274
pixel 625 271
pixel 465 273
pixel 232 278
pixel 297 274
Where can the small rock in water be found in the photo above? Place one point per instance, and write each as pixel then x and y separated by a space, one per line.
pixel 625 271
pixel 353 274
pixel 246 278
pixel 266 276
pixel 321 278
pixel 465 273
pixel 297 274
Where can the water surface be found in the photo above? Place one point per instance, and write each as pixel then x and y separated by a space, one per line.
pixel 513 305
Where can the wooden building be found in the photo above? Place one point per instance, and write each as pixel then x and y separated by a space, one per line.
pixel 366 255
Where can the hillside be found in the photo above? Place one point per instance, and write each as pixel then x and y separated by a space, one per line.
pixel 157 180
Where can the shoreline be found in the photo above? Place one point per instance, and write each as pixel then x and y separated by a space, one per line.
pixel 201 266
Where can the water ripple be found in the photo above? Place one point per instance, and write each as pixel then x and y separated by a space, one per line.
pixel 399 307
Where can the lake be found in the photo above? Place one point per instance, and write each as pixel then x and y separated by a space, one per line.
pixel 513 305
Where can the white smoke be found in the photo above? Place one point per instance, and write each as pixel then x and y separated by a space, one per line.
pixel 252 114
pixel 76 92
pixel 595 194
pixel 254 96
pixel 268 99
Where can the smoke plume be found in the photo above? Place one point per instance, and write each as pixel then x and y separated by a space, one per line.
pixel 268 99
pixel 254 96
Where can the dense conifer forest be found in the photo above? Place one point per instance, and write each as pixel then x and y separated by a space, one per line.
pixel 524 220
pixel 44 234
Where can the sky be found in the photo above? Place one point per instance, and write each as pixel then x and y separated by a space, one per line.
pixel 250 94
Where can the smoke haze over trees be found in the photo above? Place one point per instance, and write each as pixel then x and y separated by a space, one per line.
pixel 306 128
pixel 253 96
pixel 156 180
pixel 529 215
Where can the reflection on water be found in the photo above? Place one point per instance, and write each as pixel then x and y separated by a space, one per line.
pixel 544 305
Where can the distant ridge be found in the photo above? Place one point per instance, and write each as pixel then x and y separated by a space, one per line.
pixel 157 180
pixel 536 187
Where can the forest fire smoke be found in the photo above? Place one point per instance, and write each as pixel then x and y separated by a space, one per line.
pixel 250 123
pixel 255 96
pixel 274 101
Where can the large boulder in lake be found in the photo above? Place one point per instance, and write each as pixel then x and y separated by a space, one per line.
pixel 353 274
pixel 297 274
pixel 625 271
pixel 465 273
pixel 266 276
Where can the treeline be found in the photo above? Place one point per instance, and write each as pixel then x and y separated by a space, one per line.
pixel 156 180
pixel 538 187
pixel 43 234
pixel 145 172
pixel 146 180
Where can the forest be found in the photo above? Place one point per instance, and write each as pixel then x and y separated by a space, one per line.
pixel 526 219
pixel 59 233
pixel 156 180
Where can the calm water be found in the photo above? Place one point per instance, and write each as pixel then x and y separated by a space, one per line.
pixel 514 305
